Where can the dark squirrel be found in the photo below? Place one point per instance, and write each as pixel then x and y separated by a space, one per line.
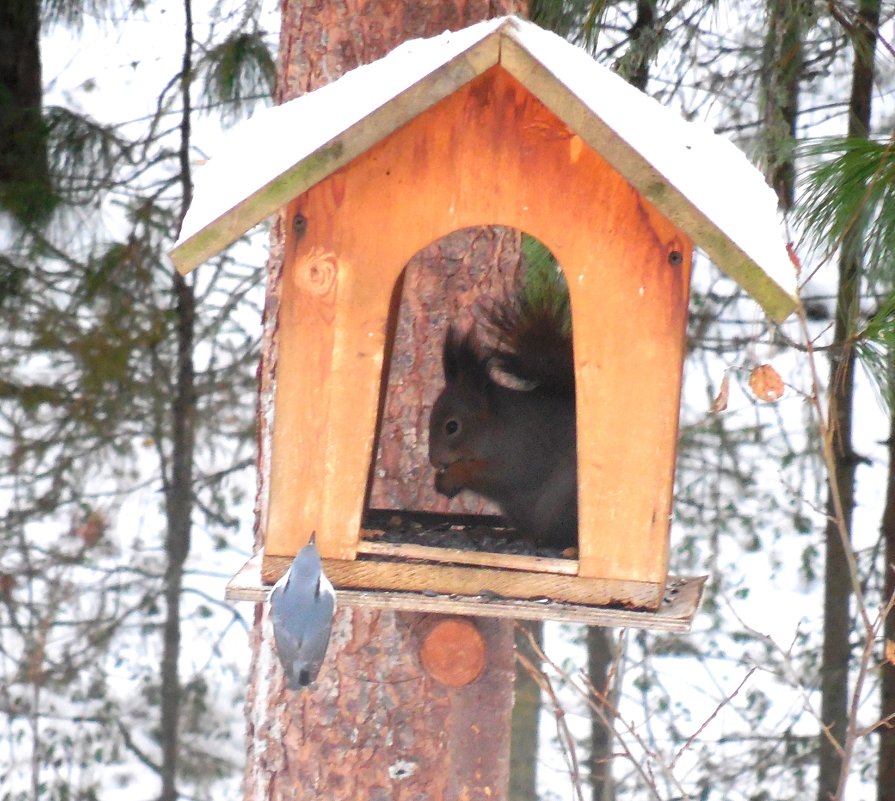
pixel 515 445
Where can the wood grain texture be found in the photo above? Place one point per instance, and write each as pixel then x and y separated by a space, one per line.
pixel 468 580
pixel 647 179
pixel 377 574
pixel 676 612
pixel 332 155
pixel 459 556
pixel 501 46
pixel 490 153
pixel 453 651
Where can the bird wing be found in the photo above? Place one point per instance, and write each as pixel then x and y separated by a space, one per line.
pixel 313 648
pixel 288 639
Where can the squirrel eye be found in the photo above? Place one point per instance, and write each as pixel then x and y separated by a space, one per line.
pixel 451 427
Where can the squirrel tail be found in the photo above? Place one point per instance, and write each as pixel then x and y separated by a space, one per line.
pixel 533 339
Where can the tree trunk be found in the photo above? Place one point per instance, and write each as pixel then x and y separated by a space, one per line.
pixel 885 780
pixel 179 508
pixel 837 580
pixel 644 45
pixel 25 188
pixel 178 473
pixel 781 71
pixel 377 725
pixel 599 666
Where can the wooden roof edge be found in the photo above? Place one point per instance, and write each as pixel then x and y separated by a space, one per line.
pixel 504 44
pixel 777 301
pixel 234 223
pixel 359 137
pixel 762 281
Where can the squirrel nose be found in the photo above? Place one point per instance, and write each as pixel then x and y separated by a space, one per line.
pixel 448 482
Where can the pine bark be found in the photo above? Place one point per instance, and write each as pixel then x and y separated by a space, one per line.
pixel 376 726
pixel 837 577
pixel 781 74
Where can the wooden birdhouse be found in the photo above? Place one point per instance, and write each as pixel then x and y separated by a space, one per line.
pixel 501 123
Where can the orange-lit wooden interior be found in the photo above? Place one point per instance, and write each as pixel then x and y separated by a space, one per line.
pixel 490 153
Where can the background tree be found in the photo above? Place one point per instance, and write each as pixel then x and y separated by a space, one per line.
pixel 840 575
pixel 113 366
pixel 25 188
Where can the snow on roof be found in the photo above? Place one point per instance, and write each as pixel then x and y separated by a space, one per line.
pixel 698 179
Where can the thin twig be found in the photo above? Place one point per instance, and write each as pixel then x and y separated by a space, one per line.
pixel 565 736
pixel 724 702
pixel 852 732
pixel 791 673
pixel 826 437
pixel 601 706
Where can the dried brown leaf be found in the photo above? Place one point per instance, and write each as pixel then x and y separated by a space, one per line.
pixel 719 404
pixel 890 652
pixel 90 528
pixel 766 383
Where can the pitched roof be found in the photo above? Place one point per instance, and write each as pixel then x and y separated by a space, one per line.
pixel 699 180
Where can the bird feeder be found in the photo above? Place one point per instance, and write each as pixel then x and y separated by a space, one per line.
pixel 501 123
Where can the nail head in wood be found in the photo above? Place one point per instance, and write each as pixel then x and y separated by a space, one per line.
pixel 299 225
pixel 453 652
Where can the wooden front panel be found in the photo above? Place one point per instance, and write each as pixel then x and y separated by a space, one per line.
pixel 489 154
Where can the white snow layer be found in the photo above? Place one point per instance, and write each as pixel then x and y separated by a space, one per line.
pixel 708 169
pixel 275 139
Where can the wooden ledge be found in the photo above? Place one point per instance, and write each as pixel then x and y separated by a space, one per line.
pixel 458 556
pixel 675 613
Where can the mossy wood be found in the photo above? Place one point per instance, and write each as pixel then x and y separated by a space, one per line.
pixel 413 576
pixel 490 153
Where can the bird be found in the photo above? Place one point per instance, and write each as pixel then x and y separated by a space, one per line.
pixel 302 603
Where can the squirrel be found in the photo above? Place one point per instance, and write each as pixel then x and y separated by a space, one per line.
pixel 515 445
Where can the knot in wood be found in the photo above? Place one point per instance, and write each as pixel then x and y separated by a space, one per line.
pixel 299 225
pixel 318 273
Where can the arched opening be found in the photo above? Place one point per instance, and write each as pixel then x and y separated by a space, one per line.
pixel 459 280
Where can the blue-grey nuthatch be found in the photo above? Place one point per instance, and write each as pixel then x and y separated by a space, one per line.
pixel 302 604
